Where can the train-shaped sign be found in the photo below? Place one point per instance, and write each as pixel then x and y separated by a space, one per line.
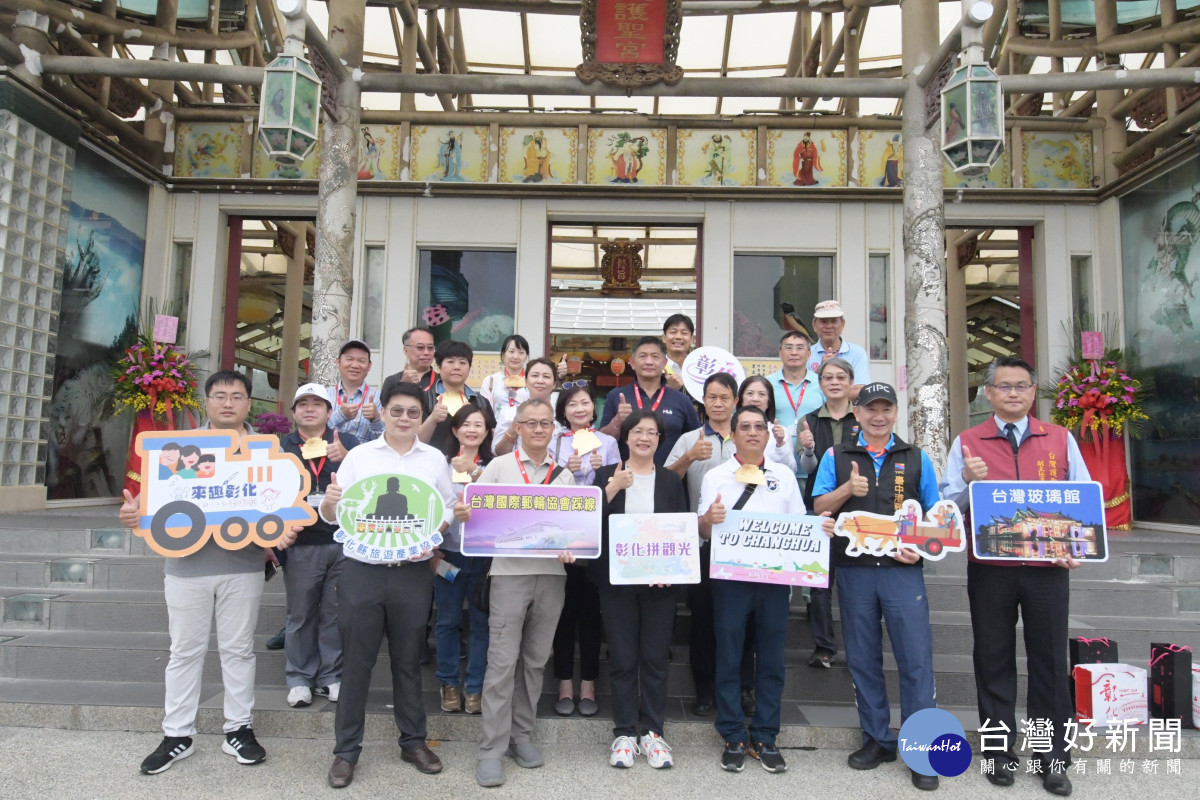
pixel 238 490
pixel 939 533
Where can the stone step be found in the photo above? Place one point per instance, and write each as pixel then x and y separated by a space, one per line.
pixel 1132 598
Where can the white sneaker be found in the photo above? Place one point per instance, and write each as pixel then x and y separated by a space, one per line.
pixel 299 696
pixel 334 689
pixel 657 751
pixel 624 748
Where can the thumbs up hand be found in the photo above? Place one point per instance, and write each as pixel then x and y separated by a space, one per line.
pixel 574 463
pixel 779 432
pixel 716 512
pixel 349 410
pixel 333 492
pixel 702 450
pixel 859 485
pixel 623 477
pixel 624 409
pixel 370 411
pixel 806 438
pixel 335 451
pixel 440 411
pixel 129 510
pixel 462 511
pixel 974 468
pixel 560 369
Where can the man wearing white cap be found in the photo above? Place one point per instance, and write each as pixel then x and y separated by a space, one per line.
pixel 312 643
pixel 355 406
pixel 829 320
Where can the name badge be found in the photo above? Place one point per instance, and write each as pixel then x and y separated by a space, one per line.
pixel 315 499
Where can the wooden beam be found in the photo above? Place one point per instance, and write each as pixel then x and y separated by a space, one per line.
pixel 91 22
pixel 725 57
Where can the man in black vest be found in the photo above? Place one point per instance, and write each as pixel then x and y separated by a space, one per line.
pixel 876 473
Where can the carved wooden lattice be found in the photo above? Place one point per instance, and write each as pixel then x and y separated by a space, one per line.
pixel 621 267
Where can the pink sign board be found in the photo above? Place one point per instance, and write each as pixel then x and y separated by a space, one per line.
pixel 1093 344
pixel 165 328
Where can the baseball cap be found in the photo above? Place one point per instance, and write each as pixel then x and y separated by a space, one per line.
pixel 311 390
pixel 828 309
pixel 357 344
pixel 876 391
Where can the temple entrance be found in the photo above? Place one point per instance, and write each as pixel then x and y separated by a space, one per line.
pixel 598 309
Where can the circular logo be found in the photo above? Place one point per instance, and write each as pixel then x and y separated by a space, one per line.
pixel 933 742
pixel 389 518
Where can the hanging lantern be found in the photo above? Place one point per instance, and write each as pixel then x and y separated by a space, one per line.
pixel 972 120
pixel 289 109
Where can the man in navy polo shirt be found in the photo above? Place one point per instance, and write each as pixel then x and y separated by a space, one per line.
pixel 651 391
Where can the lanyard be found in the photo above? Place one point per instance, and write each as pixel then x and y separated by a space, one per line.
pixel 512 393
pixel 525 475
pixel 637 395
pixel 761 465
pixel 342 396
pixel 316 471
pixel 432 378
pixel 797 403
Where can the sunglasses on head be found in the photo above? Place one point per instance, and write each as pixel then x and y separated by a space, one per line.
pixel 580 383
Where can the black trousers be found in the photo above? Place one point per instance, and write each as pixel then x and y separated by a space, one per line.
pixel 638 621
pixel 1041 595
pixel 702 641
pixel 580 618
pixel 820 615
pixel 373 600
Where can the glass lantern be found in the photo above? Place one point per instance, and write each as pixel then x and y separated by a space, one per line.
pixel 972 120
pixel 289 109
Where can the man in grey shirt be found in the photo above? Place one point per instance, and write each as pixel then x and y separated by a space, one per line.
pixel 213 579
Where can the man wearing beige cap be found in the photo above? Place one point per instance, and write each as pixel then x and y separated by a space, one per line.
pixel 828 323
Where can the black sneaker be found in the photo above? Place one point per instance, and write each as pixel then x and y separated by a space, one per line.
pixel 769 756
pixel 242 745
pixel 320 691
pixel 734 757
pixel 171 750
pixel 276 642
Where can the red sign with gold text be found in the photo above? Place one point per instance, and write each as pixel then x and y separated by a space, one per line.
pixel 630 31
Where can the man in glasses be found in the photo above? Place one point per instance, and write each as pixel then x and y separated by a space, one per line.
pixel 797 392
pixel 418 352
pixel 749 481
pixel 650 390
pixel 1014 446
pixel 525 603
pixel 213 581
pixel 375 599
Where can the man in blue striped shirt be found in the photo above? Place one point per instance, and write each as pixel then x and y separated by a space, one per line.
pixel 355 406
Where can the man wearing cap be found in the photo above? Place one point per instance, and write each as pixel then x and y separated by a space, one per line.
pixel 1012 446
pixel 829 320
pixel 876 473
pixel 312 643
pixel 418 352
pixel 355 407
pixel 797 393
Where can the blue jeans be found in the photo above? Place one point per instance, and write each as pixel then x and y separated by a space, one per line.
pixel 896 595
pixel 450 597
pixel 735 605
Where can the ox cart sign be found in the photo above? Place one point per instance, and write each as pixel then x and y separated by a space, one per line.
pixel 237 490
pixel 940 532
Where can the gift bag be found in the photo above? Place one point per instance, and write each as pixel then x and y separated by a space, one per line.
pixel 1171 682
pixel 1196 695
pixel 1091 651
pixel 1109 694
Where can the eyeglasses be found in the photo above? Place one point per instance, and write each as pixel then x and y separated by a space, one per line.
pixel 652 433
pixel 222 398
pixel 421 348
pixel 400 412
pixel 534 424
pixel 795 348
pixel 1009 388
pixel 756 427
pixel 581 384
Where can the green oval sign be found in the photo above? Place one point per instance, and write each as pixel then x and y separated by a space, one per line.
pixel 386 518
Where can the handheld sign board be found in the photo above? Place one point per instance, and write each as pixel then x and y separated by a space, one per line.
pixel 237 490
pixel 939 533
pixel 389 518
pixel 1038 520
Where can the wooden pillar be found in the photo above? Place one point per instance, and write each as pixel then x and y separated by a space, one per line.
pixel 158 126
pixel 1113 135
pixel 956 334
pixel 851 36
pixel 293 313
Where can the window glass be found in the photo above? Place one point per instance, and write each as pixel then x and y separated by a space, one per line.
pixel 879 299
pixel 762 284
pixel 468 295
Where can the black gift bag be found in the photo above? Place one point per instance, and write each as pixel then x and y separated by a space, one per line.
pixel 1171 682
pixel 1090 651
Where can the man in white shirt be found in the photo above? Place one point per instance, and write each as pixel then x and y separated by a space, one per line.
pixel 394 599
pixel 752 483
pixel 524 606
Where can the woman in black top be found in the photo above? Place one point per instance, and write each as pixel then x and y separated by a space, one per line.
pixel 638 620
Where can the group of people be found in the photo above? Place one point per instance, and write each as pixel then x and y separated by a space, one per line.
pixel 816 437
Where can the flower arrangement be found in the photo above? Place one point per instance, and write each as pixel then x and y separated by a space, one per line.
pixel 270 422
pixel 155 377
pixel 1095 395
